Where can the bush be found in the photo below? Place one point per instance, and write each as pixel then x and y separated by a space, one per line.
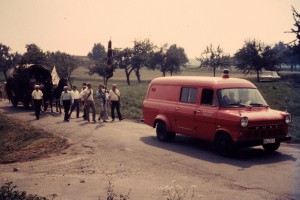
pixel 8 192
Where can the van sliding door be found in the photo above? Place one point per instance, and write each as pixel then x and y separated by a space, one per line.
pixel 206 112
pixel 185 111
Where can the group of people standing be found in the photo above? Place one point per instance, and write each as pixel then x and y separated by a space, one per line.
pixel 73 99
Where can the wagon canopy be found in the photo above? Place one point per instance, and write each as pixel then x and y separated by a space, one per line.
pixel 33 71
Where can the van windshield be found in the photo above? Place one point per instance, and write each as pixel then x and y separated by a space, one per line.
pixel 240 97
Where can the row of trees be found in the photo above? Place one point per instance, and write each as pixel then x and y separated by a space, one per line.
pixel 252 57
pixel 65 63
pixel 143 54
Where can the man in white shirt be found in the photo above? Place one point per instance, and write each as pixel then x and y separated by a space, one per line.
pixel 66 100
pixel 37 97
pixel 76 101
pixel 88 94
pixel 114 99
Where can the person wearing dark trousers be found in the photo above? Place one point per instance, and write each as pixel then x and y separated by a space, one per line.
pixel 37 97
pixel 66 100
pixel 89 102
pixel 82 100
pixel 114 99
pixel 76 101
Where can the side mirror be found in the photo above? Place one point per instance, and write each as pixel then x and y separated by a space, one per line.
pixel 286 100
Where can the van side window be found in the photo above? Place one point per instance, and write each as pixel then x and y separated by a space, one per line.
pixel 188 95
pixel 207 97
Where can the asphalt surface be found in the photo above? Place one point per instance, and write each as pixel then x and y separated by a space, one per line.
pixel 128 155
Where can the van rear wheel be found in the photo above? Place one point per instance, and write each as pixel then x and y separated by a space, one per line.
pixel 162 133
pixel 224 145
pixel 271 147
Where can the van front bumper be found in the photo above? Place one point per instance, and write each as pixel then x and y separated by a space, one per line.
pixel 257 142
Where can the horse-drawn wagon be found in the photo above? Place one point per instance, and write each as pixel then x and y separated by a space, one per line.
pixel 22 80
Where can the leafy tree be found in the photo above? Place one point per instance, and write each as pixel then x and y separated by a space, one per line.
pixel 65 64
pixel 133 59
pixel 294 54
pixel 141 51
pixel 213 59
pixel 124 61
pixel 158 59
pixel 254 56
pixel 33 55
pixel 7 59
pixel 282 52
pixel 168 60
pixel 98 52
pixel 98 55
pixel 296 30
pixel 176 58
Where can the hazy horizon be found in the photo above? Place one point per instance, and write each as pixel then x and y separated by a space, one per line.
pixel 75 26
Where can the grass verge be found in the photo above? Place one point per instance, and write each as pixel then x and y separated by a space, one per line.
pixel 21 142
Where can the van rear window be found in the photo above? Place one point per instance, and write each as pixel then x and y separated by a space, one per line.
pixel 188 95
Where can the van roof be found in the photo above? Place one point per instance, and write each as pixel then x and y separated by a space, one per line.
pixel 214 82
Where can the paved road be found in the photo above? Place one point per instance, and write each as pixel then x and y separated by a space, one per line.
pixel 129 155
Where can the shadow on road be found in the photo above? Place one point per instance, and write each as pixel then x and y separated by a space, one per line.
pixel 8 109
pixel 244 157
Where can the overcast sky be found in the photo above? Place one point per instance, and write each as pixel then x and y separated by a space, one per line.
pixel 73 26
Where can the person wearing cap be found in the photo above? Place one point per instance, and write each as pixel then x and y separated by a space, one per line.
pixel 114 99
pixel 88 94
pixel 76 101
pixel 37 97
pixel 66 100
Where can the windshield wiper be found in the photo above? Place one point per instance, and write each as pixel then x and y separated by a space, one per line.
pixel 257 104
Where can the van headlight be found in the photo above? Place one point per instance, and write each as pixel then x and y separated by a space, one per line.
pixel 244 121
pixel 288 119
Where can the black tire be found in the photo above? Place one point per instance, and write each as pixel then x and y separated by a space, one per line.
pixel 271 147
pixel 26 104
pixel 162 133
pixel 14 102
pixel 224 145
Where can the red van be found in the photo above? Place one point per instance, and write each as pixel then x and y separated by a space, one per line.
pixel 230 112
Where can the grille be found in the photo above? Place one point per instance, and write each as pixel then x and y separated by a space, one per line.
pixel 270 131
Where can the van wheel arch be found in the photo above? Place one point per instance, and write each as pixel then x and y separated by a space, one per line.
pixel 223 144
pixel 162 132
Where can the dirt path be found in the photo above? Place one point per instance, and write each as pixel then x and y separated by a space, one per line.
pixel 129 155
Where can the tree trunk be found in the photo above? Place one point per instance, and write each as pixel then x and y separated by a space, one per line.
pixel 5 75
pixel 214 71
pixel 70 82
pixel 257 75
pixel 138 75
pixel 128 72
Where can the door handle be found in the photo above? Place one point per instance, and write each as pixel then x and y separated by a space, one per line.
pixel 198 111
pixel 177 108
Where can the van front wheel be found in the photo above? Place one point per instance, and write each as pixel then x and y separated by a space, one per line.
pixel 224 145
pixel 162 133
pixel 271 147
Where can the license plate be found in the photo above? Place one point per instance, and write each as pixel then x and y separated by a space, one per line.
pixel 269 141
